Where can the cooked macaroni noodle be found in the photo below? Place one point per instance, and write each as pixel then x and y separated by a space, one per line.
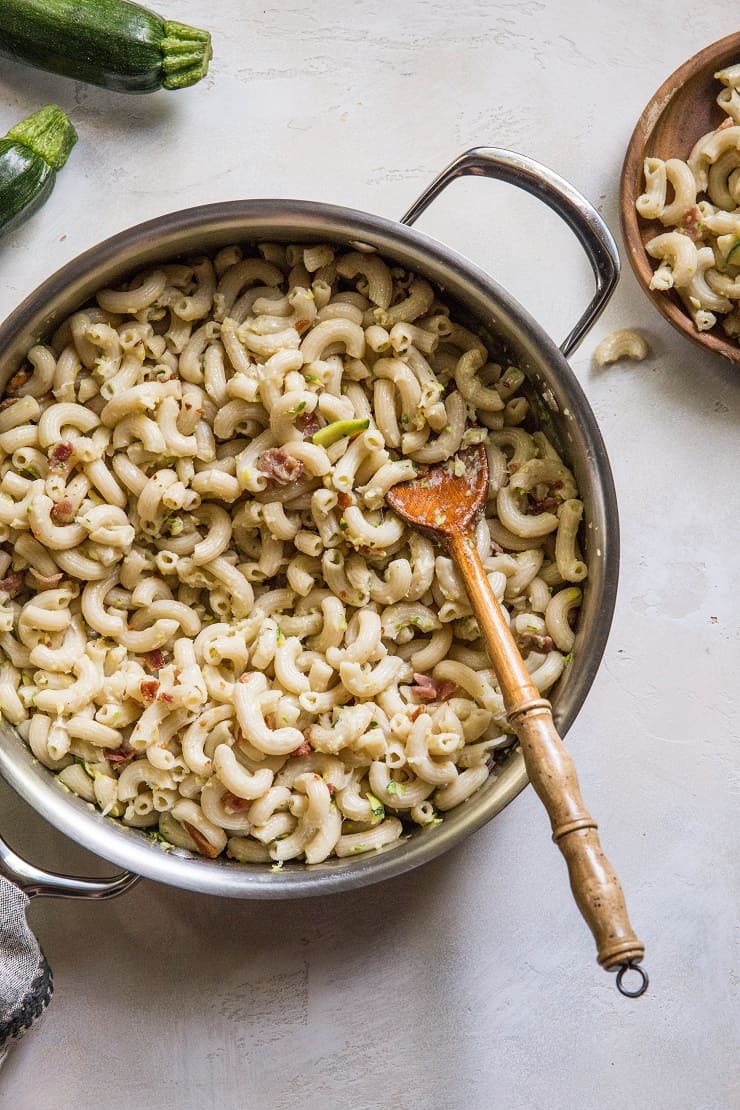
pixel 625 343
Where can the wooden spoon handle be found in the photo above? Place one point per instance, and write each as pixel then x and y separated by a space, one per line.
pixel 552 773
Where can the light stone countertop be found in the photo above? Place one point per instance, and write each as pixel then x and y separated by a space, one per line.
pixel 469 984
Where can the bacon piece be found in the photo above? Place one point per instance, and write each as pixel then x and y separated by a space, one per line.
pixel 149 688
pixel 536 641
pixel 308 424
pixel 301 326
pixel 331 788
pixel 414 716
pixel 117 758
pixel 167 698
pixel 425 689
pixel 13 584
pixel 424 693
pixel 546 505
pixel 154 660
pixel 280 467
pixel 62 512
pixel 429 689
pixel 7 403
pixel 691 221
pixel 46 581
pixel 204 846
pixel 303 749
pixel 60 455
pixel 234 804
pixel 18 379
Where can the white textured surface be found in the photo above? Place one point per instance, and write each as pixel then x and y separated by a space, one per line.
pixel 469 984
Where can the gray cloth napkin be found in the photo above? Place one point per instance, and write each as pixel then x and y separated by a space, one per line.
pixel 26 984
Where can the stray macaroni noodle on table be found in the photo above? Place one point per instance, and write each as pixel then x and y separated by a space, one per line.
pixel 211 625
pixel 700 259
pixel 618 345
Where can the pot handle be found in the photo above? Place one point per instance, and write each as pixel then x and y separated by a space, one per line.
pixel 37 883
pixel 580 215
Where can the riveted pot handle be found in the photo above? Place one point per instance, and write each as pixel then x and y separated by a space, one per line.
pixel 37 883
pixel 580 215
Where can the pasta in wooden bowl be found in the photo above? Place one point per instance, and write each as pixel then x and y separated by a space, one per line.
pixel 680 198
pixel 211 626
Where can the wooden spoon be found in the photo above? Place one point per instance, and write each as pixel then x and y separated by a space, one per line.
pixel 682 110
pixel 448 506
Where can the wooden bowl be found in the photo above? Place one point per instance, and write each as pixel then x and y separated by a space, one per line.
pixel 682 110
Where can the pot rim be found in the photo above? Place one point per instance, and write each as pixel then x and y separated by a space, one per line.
pixel 284 219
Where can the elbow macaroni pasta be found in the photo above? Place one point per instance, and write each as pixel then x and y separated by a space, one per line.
pixel 211 626
pixel 625 343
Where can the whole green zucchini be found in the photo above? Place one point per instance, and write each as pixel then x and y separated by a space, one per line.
pixel 112 43
pixel 30 155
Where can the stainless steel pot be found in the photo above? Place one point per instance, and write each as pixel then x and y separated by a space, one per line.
pixel 563 407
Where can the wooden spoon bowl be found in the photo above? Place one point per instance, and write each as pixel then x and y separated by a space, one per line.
pixel 682 110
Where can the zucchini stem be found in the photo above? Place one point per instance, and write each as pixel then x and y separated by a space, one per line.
pixel 186 52
pixel 48 133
